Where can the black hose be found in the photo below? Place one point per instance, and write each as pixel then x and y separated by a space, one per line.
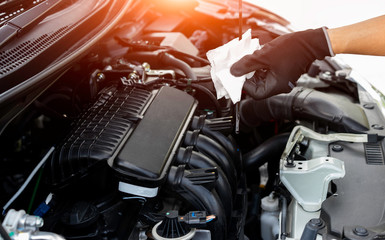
pixel 339 112
pixel 169 59
pixel 200 80
pixel 210 95
pixel 269 150
pixel 201 199
pixel 254 112
pixel 212 149
pixel 222 187
pixel 152 48
pixel 182 54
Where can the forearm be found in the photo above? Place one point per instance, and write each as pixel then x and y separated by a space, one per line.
pixel 367 37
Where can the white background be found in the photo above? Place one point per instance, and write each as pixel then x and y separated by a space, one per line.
pixel 304 14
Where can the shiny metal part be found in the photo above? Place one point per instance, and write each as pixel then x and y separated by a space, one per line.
pixel 20 225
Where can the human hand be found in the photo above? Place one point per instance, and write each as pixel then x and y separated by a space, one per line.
pixel 281 62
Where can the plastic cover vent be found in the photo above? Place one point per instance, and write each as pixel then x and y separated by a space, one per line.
pixel 12 59
pixel 374 154
pixel 98 133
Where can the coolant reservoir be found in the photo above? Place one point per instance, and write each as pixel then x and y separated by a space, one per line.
pixel 270 217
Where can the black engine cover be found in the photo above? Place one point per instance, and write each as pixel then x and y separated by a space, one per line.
pixel 359 200
pixel 146 156
pixel 97 134
pixel 134 130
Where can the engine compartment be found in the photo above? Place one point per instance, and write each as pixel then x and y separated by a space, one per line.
pixel 130 142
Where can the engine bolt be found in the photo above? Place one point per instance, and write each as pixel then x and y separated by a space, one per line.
pixel 337 148
pixel 146 66
pixel 360 231
pixel 368 106
pixel 326 75
pixel 316 222
pixel 378 127
pixel 100 77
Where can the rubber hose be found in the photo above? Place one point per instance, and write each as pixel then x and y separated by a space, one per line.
pixel 211 96
pixel 254 112
pixel 208 94
pixel 182 54
pixel 212 149
pixel 197 160
pixel 169 59
pixel 271 149
pixel 339 112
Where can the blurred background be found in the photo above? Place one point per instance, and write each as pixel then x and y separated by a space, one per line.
pixel 304 14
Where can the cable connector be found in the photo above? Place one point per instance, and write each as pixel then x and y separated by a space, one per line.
pixel 196 219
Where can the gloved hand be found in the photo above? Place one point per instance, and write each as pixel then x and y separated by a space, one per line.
pixel 281 62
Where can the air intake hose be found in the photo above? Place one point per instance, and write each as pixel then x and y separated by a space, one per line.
pixel 169 59
pixel 304 103
pixel 269 150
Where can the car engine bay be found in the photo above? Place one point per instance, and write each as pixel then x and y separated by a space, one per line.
pixel 130 142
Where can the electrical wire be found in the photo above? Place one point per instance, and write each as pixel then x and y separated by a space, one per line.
pixel 35 191
pixel 33 173
pixel 210 218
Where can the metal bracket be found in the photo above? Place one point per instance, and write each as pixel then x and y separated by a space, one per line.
pixel 308 181
pixel 160 73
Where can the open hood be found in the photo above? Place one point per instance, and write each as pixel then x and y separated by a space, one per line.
pixel 110 129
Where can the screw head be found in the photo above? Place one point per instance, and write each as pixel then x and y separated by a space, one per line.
pixel 360 231
pixel 316 222
pixel 337 148
pixel 100 77
pixel 368 106
pixel 378 127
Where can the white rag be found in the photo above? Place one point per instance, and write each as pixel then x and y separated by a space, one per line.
pixel 223 57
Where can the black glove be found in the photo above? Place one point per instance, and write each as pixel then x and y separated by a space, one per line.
pixel 281 62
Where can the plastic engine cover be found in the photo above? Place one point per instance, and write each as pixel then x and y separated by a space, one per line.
pixel 359 200
pixel 98 134
pixel 134 131
pixel 146 156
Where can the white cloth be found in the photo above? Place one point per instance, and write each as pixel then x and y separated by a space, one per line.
pixel 223 57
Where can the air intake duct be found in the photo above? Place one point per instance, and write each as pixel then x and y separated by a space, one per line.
pixel 302 103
